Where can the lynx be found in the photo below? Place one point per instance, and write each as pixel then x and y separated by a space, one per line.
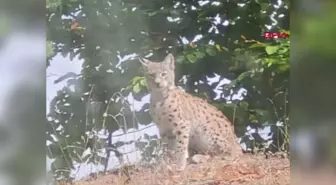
pixel 186 122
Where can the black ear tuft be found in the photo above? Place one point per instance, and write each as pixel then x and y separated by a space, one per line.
pixel 144 61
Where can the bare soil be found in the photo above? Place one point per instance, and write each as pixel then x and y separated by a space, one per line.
pixel 249 170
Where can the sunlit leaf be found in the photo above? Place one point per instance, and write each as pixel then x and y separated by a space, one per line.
pixel 271 49
pixel 136 88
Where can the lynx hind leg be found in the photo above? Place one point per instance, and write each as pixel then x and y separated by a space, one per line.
pixel 234 152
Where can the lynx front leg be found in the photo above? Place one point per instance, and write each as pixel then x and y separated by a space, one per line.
pixel 168 144
pixel 181 146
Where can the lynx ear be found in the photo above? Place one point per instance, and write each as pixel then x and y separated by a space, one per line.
pixel 170 61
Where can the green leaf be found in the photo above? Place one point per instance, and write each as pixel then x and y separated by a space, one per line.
pixel 143 82
pixel 218 47
pixel 264 6
pixel 179 59
pixel 244 105
pixel 136 88
pixel 283 50
pixel 53 4
pixel 242 76
pixel 136 80
pixel 237 50
pixel 50 49
pixel 225 48
pixel 191 57
pixel 271 49
pixel 199 54
pixel 211 51
pixel 258 45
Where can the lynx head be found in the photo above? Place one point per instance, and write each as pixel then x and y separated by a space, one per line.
pixel 159 75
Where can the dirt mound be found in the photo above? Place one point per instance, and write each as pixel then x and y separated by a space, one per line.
pixel 249 170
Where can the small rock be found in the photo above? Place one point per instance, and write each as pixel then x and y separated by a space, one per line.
pixel 199 158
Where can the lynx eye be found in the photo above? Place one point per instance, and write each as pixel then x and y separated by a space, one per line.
pixel 163 74
pixel 152 75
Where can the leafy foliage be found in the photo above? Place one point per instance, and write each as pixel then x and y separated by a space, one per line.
pixel 101 33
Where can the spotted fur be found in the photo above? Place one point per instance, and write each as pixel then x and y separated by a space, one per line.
pixel 185 122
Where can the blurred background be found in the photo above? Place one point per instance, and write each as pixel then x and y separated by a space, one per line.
pixel 96 100
pixel 22 92
pixel 313 92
